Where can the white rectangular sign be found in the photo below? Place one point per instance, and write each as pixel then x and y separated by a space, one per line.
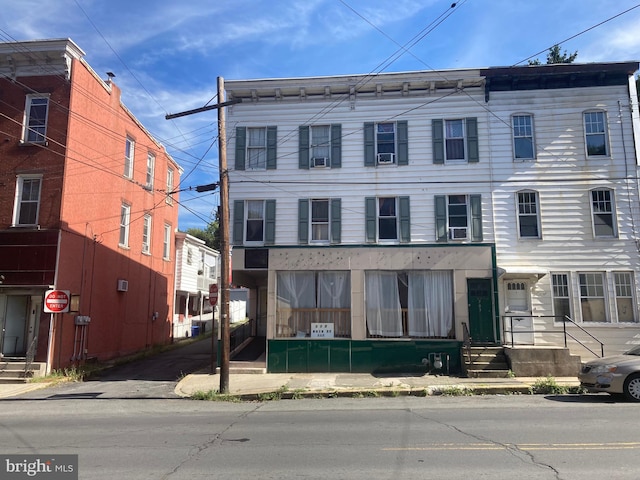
pixel 322 330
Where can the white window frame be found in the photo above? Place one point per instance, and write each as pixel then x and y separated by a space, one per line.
pixel 623 283
pixel 561 291
pixel 317 225
pixel 462 139
pixel 386 157
pixel 19 201
pixel 151 167
pixel 452 230
pixel 528 209
pixel 170 181
pixel 248 217
pixel 591 129
pixel 598 209
pixel 320 146
pixel 34 129
pixel 125 224
pixel 521 131
pixel 256 151
pixel 129 156
pixel 166 242
pixel 146 233
pixel 591 290
pixel 381 216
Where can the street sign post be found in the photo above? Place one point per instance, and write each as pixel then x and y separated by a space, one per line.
pixel 57 301
pixel 213 294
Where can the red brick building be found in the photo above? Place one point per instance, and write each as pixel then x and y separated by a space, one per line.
pixel 83 208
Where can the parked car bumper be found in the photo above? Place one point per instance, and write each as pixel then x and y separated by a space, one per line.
pixel 606 382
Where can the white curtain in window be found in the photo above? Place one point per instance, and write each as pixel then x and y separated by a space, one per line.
pixel 384 316
pixel 430 304
pixel 334 290
pixel 297 289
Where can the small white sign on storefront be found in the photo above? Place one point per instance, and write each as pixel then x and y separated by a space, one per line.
pixel 322 330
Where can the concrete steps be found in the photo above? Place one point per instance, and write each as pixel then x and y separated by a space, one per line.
pixel 487 362
pixel 14 371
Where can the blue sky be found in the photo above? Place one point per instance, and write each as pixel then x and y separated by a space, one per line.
pixel 167 54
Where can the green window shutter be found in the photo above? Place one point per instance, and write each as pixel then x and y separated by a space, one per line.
pixel 438 141
pixel 272 147
pixel 369 145
pixel 476 217
pixel 303 221
pixel 336 220
pixel 303 147
pixel 269 222
pixel 405 220
pixel 336 146
pixel 238 222
pixel 241 147
pixel 370 218
pixel 472 140
pixel 441 218
pixel 403 143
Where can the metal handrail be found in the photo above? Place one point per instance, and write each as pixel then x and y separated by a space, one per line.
pixel 564 331
pixel 466 344
pixel 564 327
pixel 29 357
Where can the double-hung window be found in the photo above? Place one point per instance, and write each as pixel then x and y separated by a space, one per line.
pixel 151 166
pixel 561 296
pixel 603 213
pixel 528 215
pixel 129 153
pixel 125 219
pixel 27 200
pixel 523 142
pixel 256 148
pixel 146 233
pixel 458 218
pixel 387 219
pixel 386 143
pixel 166 242
pixel 254 222
pixel 595 131
pixel 35 121
pixel 455 140
pixel 320 146
pixel 319 220
pixel 169 198
pixel 625 304
pixel 592 298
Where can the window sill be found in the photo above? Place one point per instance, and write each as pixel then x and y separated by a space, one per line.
pixel 124 247
pixel 24 143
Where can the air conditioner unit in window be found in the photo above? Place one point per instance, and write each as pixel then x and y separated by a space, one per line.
pixel 386 157
pixel 457 233
pixel 318 162
pixel 123 285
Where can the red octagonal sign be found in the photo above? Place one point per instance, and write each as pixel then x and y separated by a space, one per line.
pixel 213 294
pixel 56 301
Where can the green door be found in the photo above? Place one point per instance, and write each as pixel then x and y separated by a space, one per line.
pixel 480 310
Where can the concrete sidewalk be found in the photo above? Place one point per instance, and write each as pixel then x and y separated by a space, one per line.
pixel 295 385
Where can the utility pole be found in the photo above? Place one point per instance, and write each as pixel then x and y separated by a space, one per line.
pixel 224 228
pixel 224 244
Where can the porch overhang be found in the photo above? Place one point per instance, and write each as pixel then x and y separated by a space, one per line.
pixel 520 271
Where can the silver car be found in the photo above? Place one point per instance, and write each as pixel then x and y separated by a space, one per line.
pixel 618 374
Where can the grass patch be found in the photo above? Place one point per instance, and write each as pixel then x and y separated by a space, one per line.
pixel 215 396
pixel 69 374
pixel 271 396
pixel 548 385
pixel 454 391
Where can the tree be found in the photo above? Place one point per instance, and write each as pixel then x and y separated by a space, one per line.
pixel 210 235
pixel 555 56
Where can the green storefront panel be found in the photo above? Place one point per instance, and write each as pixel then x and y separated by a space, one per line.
pixel 277 358
pixel 318 360
pixel 298 356
pixel 339 356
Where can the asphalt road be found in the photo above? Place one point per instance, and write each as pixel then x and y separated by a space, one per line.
pixel 493 437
